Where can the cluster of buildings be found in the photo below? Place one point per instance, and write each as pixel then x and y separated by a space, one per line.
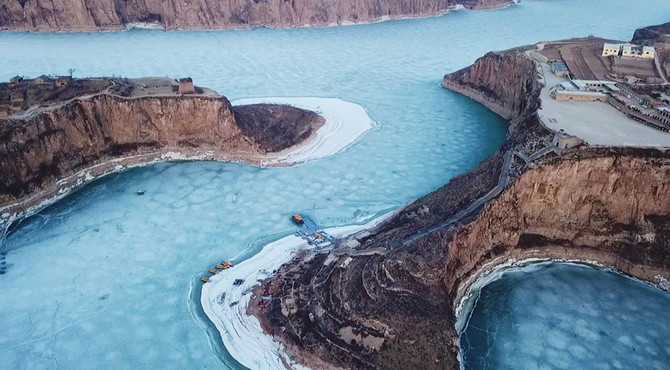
pixel 16 96
pixel 635 104
pixel 58 81
pixel 628 50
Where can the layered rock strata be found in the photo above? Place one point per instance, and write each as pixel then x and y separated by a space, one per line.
pixel 64 145
pixel 610 207
pixel 503 81
pixel 89 15
pixel 386 305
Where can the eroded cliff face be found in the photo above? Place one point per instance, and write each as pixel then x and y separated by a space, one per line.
pixel 506 82
pixel 392 297
pixel 56 142
pixel 87 15
pixel 611 209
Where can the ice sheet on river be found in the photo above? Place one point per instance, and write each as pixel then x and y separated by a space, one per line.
pixel 567 316
pixel 102 279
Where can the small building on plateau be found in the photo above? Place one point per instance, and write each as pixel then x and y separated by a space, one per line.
pixel 584 90
pixel 611 49
pixel 42 80
pixel 587 96
pixel 63 81
pixel 16 79
pixel 560 69
pixel 186 86
pixel 565 141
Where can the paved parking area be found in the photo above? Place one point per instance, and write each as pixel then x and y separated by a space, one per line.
pixel 596 123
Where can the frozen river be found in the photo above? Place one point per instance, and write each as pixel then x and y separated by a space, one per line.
pixel 567 316
pixel 103 278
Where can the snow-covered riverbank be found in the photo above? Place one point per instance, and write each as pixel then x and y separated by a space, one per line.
pixel 242 334
pixel 345 123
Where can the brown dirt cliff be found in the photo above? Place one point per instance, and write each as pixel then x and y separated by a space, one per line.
pixel 608 205
pixel 89 15
pixel 52 146
pixel 53 143
pixel 612 208
pixel 503 81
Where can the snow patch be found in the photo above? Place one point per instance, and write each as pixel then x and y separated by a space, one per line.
pixel 345 123
pixel 144 26
pixel 242 334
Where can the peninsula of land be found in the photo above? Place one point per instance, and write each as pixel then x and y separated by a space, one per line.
pixel 387 294
pixel 56 133
pixel 110 15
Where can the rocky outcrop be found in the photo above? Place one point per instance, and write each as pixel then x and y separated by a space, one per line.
pixel 275 127
pixel 651 34
pixel 506 82
pixel 397 297
pixel 613 209
pixel 89 15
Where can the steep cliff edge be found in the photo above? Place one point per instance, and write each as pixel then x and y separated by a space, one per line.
pixel 89 15
pixel 506 82
pixel 612 208
pixel 54 144
pixel 386 305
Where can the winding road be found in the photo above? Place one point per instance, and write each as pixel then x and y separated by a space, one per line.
pixel 502 183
